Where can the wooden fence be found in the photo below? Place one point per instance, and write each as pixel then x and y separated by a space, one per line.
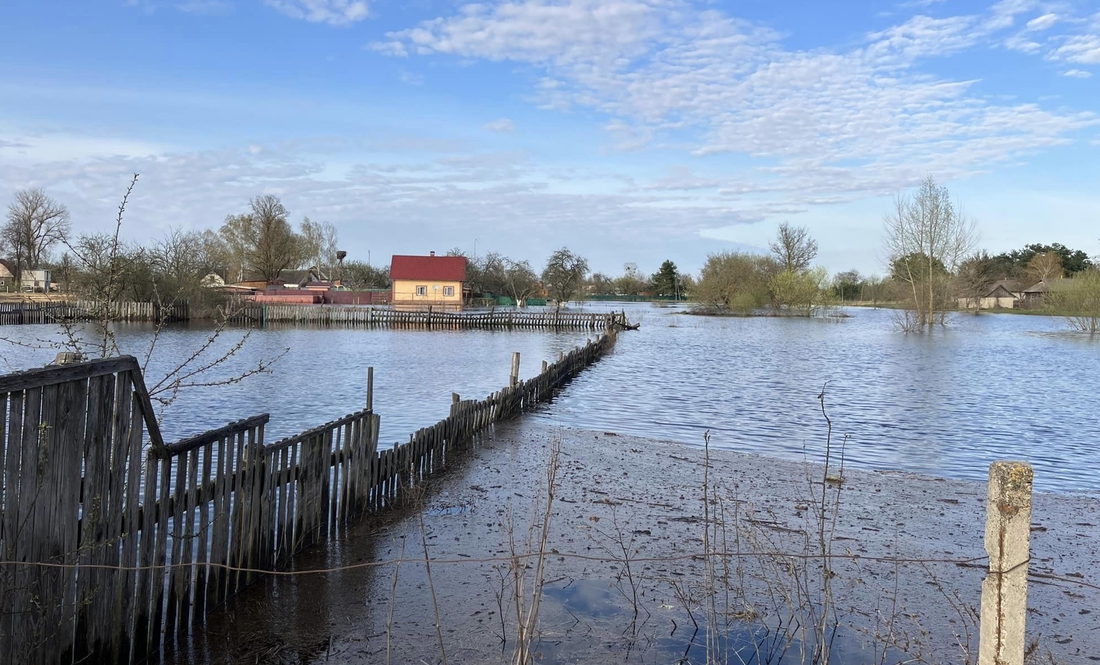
pixel 429 319
pixel 113 541
pixel 17 313
pixel 254 313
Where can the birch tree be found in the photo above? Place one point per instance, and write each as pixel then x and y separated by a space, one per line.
pixel 927 236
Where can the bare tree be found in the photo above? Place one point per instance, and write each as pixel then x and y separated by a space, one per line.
pixel 927 236
pixel 262 241
pixel 1047 265
pixel 521 280
pixel 36 222
pixel 564 276
pixel 794 248
pixel 319 243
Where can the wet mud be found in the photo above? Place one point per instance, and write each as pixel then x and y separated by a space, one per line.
pixel 622 581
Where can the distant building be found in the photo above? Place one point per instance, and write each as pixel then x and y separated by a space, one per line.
pixel 36 281
pixel 1033 297
pixel 428 280
pixel 1005 294
pixel 8 275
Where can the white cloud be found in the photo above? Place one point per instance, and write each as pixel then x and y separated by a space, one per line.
pixel 1077 74
pixel 1044 22
pixel 860 121
pixel 1081 49
pixel 333 12
pixel 504 125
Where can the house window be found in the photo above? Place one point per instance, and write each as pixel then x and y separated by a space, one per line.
pixel 448 291
pixel 421 290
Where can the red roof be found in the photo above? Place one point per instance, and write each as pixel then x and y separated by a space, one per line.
pixel 429 268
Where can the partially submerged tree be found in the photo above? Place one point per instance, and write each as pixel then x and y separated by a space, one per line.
pixel 927 236
pixel 800 294
pixel 793 248
pixel 735 282
pixel 35 223
pixel 521 280
pixel 1078 300
pixel 564 276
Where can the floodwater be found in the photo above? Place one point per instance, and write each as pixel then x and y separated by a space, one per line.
pixel 995 386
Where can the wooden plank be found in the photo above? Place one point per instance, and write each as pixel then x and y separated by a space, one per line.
pixel 55 374
pixel 236 523
pixel 131 534
pixel 147 576
pixel 44 545
pixel 205 541
pixel 161 580
pixel 219 539
pixel 210 436
pixel 178 535
pixel 190 536
pixel 72 416
pixel 12 600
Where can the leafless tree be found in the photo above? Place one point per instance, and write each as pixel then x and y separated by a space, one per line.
pixel 793 248
pixel 927 236
pixel 521 280
pixel 319 244
pixel 262 241
pixel 1047 265
pixel 35 223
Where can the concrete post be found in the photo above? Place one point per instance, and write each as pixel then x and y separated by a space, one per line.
pixel 1008 542
pixel 515 369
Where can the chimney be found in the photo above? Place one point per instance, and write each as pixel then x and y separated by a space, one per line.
pixel 432 254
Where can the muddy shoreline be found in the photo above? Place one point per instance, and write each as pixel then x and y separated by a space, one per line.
pixel 621 582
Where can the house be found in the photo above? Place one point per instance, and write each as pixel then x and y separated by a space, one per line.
pixel 1005 294
pixel 428 280
pixel 35 281
pixel 8 274
pixel 1034 296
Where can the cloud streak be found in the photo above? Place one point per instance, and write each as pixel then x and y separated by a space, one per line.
pixel 332 12
pixel 866 120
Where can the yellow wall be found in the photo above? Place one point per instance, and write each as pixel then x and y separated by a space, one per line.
pixel 404 291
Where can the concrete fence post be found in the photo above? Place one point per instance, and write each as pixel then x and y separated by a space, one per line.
pixel 1008 542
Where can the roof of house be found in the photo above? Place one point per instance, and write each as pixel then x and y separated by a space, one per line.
pixel 1047 286
pixel 435 268
pixel 1010 285
pixel 9 266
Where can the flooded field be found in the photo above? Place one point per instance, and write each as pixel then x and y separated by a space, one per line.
pixel 995 386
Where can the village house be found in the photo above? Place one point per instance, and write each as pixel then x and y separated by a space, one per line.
pixel 7 275
pixel 428 280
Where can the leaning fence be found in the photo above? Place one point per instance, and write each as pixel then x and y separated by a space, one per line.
pixel 113 541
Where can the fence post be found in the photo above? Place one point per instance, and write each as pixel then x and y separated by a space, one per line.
pixel 515 369
pixel 1008 542
pixel 370 389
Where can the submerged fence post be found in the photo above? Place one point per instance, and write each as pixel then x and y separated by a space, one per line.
pixel 515 369
pixel 544 367
pixel 1008 542
pixel 370 389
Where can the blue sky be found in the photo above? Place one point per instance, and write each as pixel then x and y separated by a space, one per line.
pixel 629 130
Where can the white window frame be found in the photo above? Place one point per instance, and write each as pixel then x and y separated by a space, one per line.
pixel 421 290
pixel 448 291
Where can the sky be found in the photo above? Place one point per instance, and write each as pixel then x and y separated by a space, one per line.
pixel 627 130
